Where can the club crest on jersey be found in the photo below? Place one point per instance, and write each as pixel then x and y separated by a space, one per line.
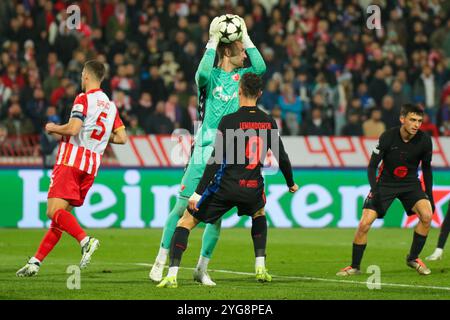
pixel 236 77
pixel 401 172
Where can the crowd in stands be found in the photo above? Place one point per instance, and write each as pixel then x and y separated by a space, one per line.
pixel 328 73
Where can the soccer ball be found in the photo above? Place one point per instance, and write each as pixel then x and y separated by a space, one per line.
pixel 230 28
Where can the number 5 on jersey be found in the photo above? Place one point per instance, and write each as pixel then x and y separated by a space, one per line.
pixel 98 134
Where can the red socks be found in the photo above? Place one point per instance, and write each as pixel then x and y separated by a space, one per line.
pixel 49 241
pixel 69 224
pixel 62 221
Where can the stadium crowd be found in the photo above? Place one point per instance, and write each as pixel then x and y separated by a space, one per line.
pixel 327 72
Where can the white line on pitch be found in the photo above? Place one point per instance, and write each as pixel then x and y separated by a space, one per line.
pixel 316 279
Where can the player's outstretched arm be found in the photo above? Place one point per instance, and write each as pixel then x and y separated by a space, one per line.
pixel 258 64
pixel 119 136
pixel 71 128
pixel 207 63
pixel 277 148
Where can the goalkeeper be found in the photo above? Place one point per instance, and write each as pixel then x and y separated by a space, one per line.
pixel 217 97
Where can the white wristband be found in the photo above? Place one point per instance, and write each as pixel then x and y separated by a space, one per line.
pixel 212 44
pixel 247 42
pixel 195 196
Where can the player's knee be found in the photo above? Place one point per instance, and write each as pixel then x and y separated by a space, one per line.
pixel 426 219
pixel 50 213
pixel 364 226
pixel 187 221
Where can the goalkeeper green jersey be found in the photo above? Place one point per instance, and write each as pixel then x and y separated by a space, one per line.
pixel 217 97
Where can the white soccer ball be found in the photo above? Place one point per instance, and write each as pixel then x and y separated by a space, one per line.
pixel 230 28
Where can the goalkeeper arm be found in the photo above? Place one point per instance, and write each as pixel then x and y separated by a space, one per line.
pixel 207 63
pixel 258 64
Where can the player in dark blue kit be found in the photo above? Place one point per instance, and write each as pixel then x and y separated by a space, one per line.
pixel 233 177
pixel 401 150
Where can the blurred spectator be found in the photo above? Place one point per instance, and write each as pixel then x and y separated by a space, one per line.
pixel 181 90
pixel 134 129
pixel 75 66
pixel 53 81
pixel 427 90
pixel 168 69
pixel 390 114
pixel 374 126
pixel 366 100
pixel 291 109
pixel 117 21
pixel 49 143
pixel 12 79
pixel 193 111
pixel 355 107
pixel 143 110
pixel 443 119
pixel 36 107
pixel 429 127
pixel 398 95
pixel 322 49
pixel 159 123
pixel 123 82
pixel 177 114
pixel 154 84
pixel 316 126
pixel 276 115
pixel 378 87
pixel 124 105
pixel 65 44
pixel 3 133
pixel 353 126
pixel 118 45
pixel 327 112
pixel 393 46
pixel 5 93
pixel 17 124
pixel 303 88
pixel 269 97
pixel 65 103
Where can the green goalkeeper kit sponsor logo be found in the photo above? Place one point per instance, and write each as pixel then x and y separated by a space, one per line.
pixel 127 198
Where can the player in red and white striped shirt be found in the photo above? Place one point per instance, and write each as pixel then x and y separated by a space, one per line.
pixel 93 123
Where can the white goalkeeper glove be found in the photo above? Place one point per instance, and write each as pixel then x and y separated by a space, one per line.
pixel 214 34
pixel 193 200
pixel 246 41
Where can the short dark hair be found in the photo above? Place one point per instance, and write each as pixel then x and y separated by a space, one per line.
pixel 96 68
pixel 411 108
pixel 251 85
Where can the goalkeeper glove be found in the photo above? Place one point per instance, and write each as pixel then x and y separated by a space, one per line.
pixel 214 34
pixel 246 41
pixel 193 200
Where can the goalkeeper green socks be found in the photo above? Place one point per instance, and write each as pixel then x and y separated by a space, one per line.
pixel 210 238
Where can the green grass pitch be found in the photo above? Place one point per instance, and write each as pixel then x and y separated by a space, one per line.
pixel 302 261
